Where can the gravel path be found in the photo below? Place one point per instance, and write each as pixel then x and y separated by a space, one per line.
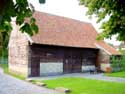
pixel 11 85
pixel 106 78
pixel 1 70
pixel 99 76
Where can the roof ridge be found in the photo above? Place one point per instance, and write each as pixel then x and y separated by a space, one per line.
pixel 50 14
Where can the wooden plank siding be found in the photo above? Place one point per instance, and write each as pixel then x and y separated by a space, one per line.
pixel 72 58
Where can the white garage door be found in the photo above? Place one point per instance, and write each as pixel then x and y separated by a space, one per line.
pixel 51 68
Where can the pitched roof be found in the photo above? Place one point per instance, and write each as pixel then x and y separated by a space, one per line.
pixel 61 31
pixel 109 49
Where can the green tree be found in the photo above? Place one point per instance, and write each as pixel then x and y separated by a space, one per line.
pixel 115 9
pixel 20 9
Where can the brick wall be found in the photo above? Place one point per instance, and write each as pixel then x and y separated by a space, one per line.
pixel 18 52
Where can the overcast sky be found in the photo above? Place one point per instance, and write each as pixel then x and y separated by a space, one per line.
pixel 68 8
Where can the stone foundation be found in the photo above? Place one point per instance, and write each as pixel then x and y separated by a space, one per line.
pixel 19 69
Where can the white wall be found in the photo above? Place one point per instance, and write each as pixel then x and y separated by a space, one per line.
pixel 51 68
pixel 88 68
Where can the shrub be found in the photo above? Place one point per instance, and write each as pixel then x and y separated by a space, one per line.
pixel 118 63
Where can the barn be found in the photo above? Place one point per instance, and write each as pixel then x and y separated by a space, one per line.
pixel 62 45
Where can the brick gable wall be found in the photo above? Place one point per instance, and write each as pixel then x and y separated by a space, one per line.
pixel 18 52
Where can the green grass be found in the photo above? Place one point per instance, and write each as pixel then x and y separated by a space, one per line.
pixel 21 77
pixel 5 68
pixel 116 74
pixel 87 86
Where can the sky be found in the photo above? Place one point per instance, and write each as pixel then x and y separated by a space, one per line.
pixel 70 9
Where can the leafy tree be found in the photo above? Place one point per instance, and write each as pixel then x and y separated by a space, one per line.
pixel 20 9
pixel 115 9
pixel 4 37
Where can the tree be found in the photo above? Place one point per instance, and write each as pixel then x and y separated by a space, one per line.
pixel 20 9
pixel 4 38
pixel 115 10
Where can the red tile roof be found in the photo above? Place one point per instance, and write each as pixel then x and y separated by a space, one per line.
pixel 108 48
pixel 61 31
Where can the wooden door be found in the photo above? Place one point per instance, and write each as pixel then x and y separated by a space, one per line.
pixel 67 66
pixel 35 67
pixel 72 61
pixel 76 65
pixel 72 66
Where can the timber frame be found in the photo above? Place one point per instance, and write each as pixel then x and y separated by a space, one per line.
pixel 72 58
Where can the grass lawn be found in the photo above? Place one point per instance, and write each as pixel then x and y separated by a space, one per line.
pixel 116 74
pixel 5 67
pixel 87 86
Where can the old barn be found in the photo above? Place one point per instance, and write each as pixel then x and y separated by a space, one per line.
pixel 62 45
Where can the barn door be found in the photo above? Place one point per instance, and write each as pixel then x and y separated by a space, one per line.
pixel 35 67
pixel 72 62
pixel 76 65
pixel 72 65
pixel 67 66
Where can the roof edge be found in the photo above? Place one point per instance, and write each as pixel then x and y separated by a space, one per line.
pixel 29 38
pixel 63 17
pixel 98 46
